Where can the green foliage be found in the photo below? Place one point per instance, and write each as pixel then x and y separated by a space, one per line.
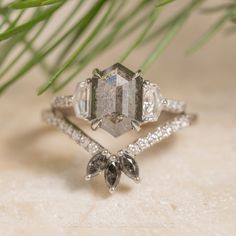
pixel 82 35
pixel 33 3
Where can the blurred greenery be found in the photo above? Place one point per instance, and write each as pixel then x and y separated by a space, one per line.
pixel 90 28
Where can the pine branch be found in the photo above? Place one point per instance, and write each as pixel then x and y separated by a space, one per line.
pixel 74 56
pixel 104 24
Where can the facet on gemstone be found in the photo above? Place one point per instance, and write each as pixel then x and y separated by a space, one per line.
pixel 96 164
pixel 117 99
pixel 129 166
pixel 82 100
pixel 152 102
pixel 112 175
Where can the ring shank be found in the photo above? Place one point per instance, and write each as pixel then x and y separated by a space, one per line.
pixel 63 104
pixel 163 131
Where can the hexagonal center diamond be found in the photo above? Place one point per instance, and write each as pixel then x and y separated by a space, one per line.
pixel 117 99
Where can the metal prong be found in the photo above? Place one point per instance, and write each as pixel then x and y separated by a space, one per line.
pixel 97 73
pixel 113 158
pixel 120 117
pixel 164 101
pixel 88 81
pixel 146 82
pixel 137 180
pixel 135 125
pixel 105 152
pixel 88 177
pixel 112 190
pixel 96 124
pixel 120 153
pixel 138 73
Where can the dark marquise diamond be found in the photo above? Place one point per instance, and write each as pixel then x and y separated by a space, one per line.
pixel 96 164
pixel 117 99
pixel 112 175
pixel 129 166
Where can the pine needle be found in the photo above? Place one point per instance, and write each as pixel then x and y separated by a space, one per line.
pixel 110 29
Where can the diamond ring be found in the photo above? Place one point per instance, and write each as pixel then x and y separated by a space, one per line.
pixel 117 100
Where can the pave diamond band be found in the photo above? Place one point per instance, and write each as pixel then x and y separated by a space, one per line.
pixel 157 135
pixel 57 120
pixel 116 100
pixel 93 147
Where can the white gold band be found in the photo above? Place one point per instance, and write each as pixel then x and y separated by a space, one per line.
pixel 93 147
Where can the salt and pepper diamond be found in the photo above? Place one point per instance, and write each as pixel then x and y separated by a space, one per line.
pixel 117 99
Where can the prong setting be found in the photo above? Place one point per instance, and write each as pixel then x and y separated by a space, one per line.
pixel 164 101
pixel 88 81
pixel 120 117
pixel 88 177
pixel 112 190
pixel 106 153
pixel 96 124
pixel 135 125
pixel 113 158
pixel 138 73
pixel 146 82
pixel 97 73
pixel 120 153
pixel 137 180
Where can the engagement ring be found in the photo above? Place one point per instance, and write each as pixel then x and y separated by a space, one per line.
pixel 117 100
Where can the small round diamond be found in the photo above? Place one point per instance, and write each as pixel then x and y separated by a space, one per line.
pixel 76 135
pixel 84 141
pixel 93 148
pixel 133 149
pixel 152 138
pixel 143 143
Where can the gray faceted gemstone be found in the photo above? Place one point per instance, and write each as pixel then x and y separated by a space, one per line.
pixel 96 164
pixel 117 99
pixel 112 175
pixel 129 166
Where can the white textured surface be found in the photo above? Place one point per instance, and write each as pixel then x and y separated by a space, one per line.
pixel 188 182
